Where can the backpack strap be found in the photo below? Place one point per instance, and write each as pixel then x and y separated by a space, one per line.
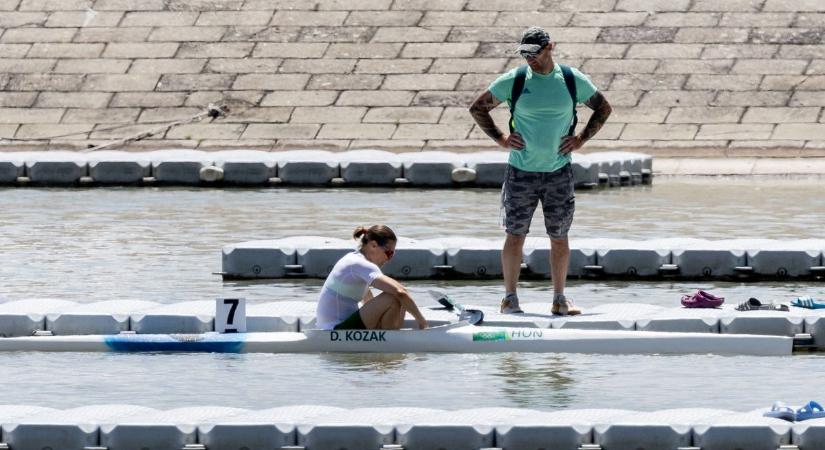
pixel 570 81
pixel 518 86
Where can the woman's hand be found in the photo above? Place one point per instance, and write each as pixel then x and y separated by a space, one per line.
pixel 422 324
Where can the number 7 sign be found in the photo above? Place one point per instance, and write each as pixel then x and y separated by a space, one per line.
pixel 230 315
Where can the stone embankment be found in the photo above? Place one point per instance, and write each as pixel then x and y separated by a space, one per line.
pixel 686 77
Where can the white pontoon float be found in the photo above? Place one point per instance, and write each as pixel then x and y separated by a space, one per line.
pixel 459 337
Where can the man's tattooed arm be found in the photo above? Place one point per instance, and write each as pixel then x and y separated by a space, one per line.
pixel 601 111
pixel 480 111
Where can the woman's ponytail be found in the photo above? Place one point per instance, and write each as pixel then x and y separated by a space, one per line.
pixel 378 233
pixel 359 231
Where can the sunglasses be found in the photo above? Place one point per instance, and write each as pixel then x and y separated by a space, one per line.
pixel 388 252
pixel 532 55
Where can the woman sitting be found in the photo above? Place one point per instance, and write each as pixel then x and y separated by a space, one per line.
pixel 350 280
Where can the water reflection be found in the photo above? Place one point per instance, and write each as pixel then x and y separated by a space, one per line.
pixel 535 380
pixel 364 362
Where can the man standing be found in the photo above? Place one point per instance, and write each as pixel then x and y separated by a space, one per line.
pixel 541 139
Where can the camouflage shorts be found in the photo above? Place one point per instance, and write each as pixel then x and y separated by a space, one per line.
pixel 522 191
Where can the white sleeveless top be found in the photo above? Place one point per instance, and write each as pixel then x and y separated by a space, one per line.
pixel 344 288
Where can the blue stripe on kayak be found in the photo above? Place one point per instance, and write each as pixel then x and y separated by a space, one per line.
pixel 208 343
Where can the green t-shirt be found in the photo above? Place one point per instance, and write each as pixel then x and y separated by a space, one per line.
pixel 543 115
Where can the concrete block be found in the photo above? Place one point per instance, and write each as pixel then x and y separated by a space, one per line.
pixel 99 318
pixel 471 257
pixel 251 433
pixel 193 317
pixel 445 430
pixel 317 255
pixel 814 324
pixel 629 258
pixel 257 259
pixel 181 167
pixel 155 430
pixel 56 433
pixel 246 167
pixel 785 258
pixel 585 171
pixel 566 429
pixel 415 259
pixel 430 168
pixel 117 167
pixel 56 167
pixel 12 165
pixel 809 434
pixel 620 317
pixel 307 167
pixel 684 320
pixel 370 167
pixel 537 257
pixel 773 323
pixel 490 167
pixel 742 430
pixel 652 430
pixel 261 429
pixel 700 258
pixel 278 316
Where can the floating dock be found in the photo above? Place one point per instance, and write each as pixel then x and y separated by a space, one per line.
pixel 300 168
pixel 458 257
pixel 305 427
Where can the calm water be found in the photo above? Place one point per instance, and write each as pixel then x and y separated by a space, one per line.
pixel 537 381
pixel 163 245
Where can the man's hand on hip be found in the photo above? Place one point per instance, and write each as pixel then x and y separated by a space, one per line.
pixel 513 141
pixel 569 144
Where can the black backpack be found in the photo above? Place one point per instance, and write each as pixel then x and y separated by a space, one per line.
pixel 518 86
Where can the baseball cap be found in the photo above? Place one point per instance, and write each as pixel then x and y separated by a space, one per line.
pixel 533 40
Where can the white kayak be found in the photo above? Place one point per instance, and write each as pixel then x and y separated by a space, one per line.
pixel 455 338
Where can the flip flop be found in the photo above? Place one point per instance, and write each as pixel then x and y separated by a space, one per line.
pixel 812 410
pixel 782 411
pixel 753 304
pixel 808 302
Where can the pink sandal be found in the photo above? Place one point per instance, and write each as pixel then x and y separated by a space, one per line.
pixel 702 299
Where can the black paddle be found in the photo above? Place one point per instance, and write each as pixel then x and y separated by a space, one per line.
pixel 473 316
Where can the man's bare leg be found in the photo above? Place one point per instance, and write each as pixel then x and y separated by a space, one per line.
pixel 559 263
pixel 511 256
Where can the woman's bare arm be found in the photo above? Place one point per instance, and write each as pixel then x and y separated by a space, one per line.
pixel 394 288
